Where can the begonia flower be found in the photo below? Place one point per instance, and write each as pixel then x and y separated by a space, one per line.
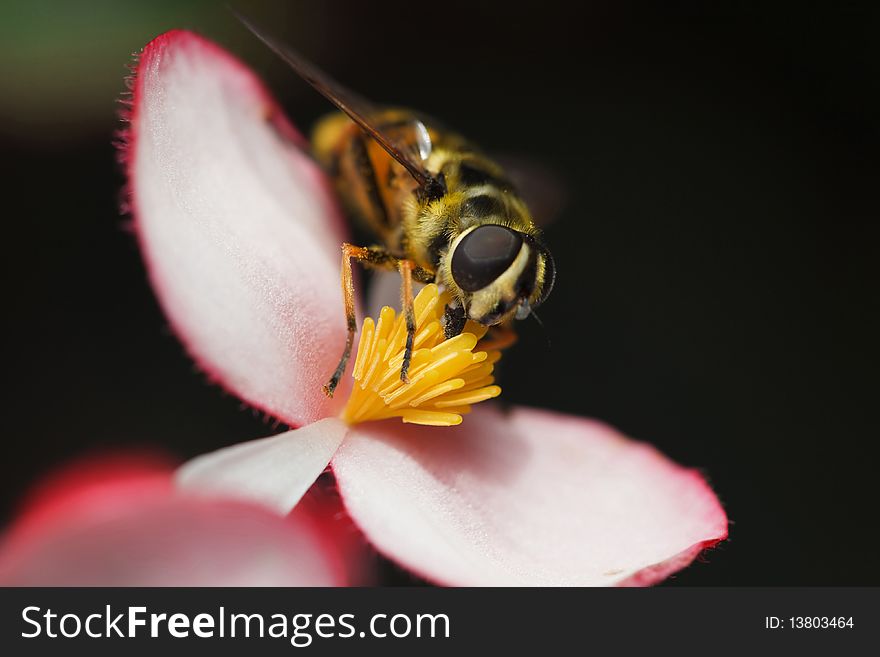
pixel 120 521
pixel 241 236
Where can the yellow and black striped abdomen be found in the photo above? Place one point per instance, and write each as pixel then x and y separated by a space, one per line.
pixel 380 192
pixel 373 186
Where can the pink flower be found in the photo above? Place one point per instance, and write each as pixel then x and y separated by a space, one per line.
pixel 241 237
pixel 120 521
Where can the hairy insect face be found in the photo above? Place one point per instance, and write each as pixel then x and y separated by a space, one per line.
pixel 500 273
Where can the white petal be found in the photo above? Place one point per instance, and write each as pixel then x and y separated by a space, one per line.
pixel 238 227
pixel 274 472
pixel 530 498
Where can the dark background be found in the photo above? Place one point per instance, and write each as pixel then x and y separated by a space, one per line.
pixel 717 291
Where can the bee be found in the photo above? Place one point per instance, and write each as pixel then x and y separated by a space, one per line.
pixel 442 211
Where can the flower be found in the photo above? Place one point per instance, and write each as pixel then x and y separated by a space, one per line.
pixel 446 376
pixel 119 521
pixel 241 238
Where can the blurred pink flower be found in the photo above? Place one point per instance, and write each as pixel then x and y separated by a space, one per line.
pixel 241 237
pixel 120 521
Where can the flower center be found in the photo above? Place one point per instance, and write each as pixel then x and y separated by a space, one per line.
pixel 446 377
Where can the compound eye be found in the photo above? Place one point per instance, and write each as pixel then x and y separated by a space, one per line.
pixel 483 255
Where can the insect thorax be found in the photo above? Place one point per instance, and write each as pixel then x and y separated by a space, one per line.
pixel 380 193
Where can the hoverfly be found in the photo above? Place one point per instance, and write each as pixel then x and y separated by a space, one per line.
pixel 442 210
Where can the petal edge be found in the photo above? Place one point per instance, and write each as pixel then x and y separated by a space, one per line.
pixel 532 498
pixel 274 472
pixel 238 227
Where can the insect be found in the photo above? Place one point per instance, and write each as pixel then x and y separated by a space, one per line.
pixel 442 211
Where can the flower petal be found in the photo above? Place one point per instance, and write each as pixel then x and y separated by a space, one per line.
pixel 238 227
pixel 274 472
pixel 533 498
pixel 132 529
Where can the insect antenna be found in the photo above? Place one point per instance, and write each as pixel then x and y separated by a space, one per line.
pixel 543 329
pixel 358 109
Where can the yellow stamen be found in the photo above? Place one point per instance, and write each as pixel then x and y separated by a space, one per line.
pixel 445 376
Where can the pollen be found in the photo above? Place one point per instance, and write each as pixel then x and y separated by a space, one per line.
pixel 446 376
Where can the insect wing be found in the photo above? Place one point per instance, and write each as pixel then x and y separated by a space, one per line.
pixel 410 154
pixel 545 193
pixel 410 135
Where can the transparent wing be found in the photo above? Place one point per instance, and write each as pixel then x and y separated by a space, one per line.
pixel 538 185
pixel 409 147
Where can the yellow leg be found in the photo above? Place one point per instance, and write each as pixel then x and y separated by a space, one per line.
pixel 378 258
pixel 349 251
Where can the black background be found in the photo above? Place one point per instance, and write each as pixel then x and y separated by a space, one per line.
pixel 717 288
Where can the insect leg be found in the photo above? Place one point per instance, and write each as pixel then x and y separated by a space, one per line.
pixel 406 299
pixel 376 257
pixel 370 256
pixel 454 319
